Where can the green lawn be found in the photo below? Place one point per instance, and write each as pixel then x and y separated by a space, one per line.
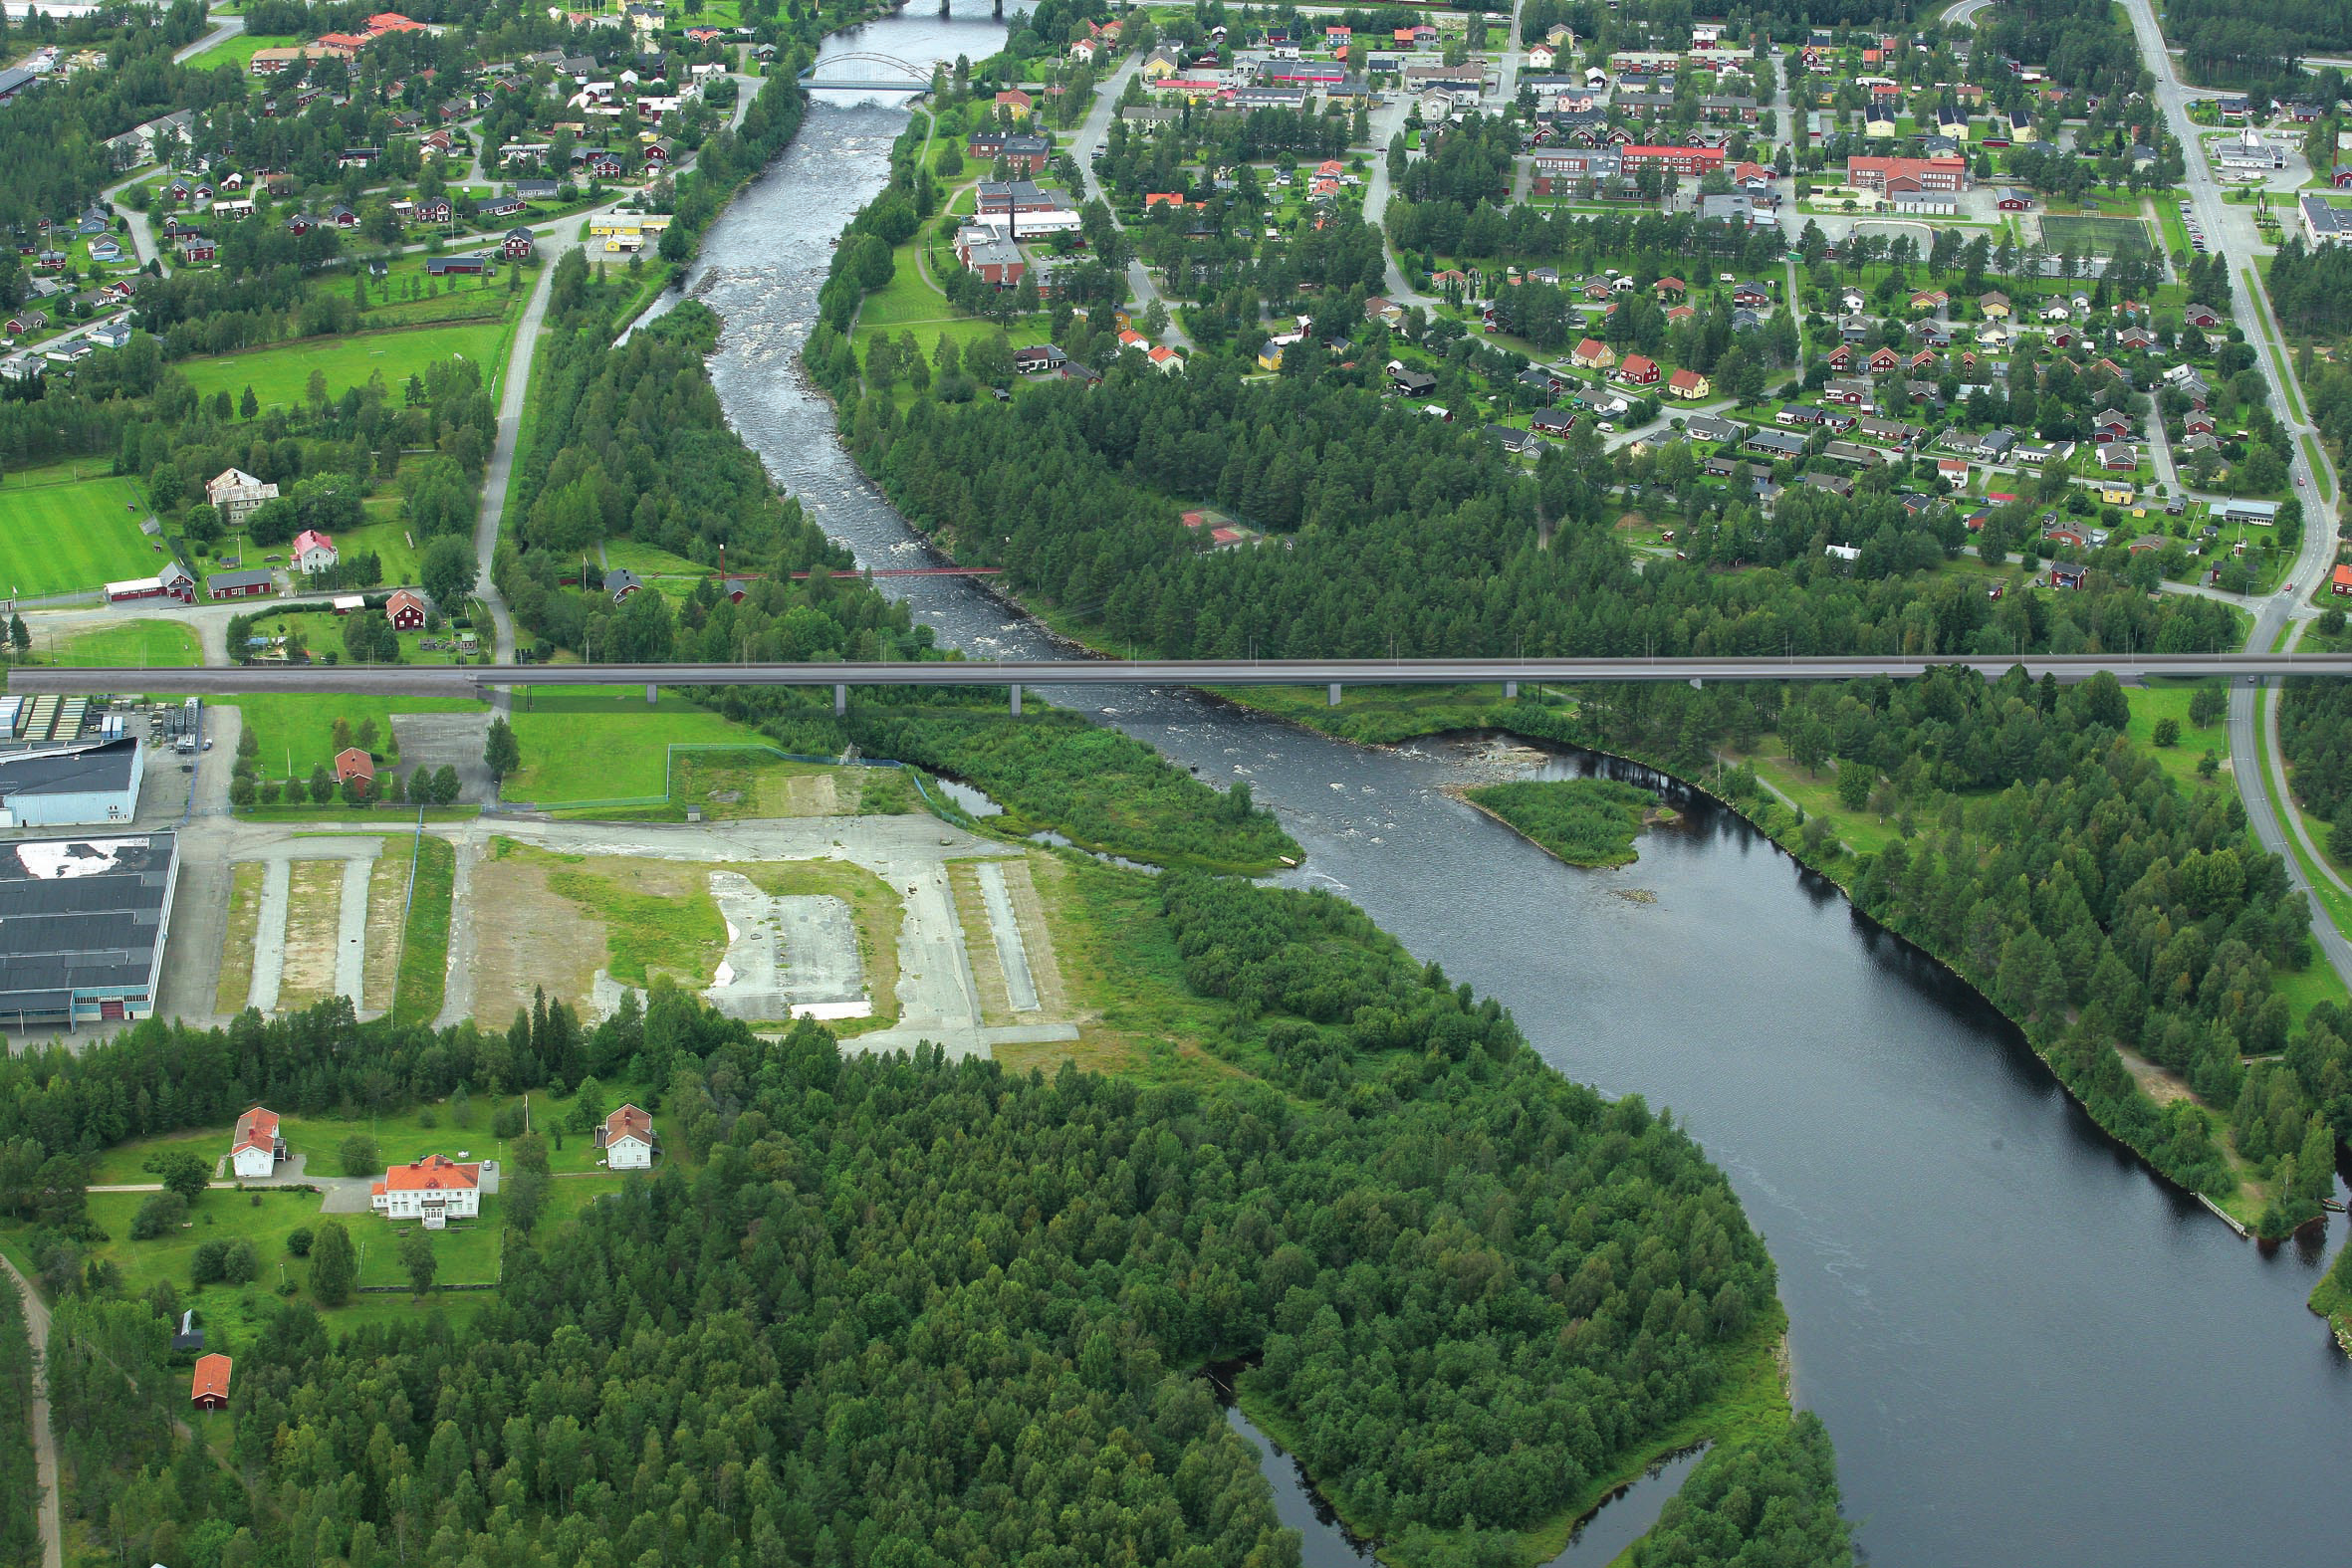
pixel 63 535
pixel 425 946
pixel 303 723
pixel 279 374
pixel 240 49
pixel 387 535
pixel 136 644
pixel 606 743
pixel 2170 699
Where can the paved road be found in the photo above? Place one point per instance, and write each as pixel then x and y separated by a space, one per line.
pixel 1387 125
pixel 52 1547
pixel 224 29
pixel 456 679
pixel 1093 132
pixel 2255 748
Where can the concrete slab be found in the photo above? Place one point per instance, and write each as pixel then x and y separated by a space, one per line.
pixel 788 956
pixel 350 940
pixel 268 935
pixel 428 740
pixel 1019 987
pixel 961 1042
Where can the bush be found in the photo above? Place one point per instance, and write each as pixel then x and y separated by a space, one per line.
pixel 299 1242
pixel 160 1215
pixel 2168 732
pixel 240 1265
pixel 357 1154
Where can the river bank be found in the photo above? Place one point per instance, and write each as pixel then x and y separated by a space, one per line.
pixel 1978 1278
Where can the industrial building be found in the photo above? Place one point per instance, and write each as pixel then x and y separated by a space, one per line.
pixel 82 927
pixel 72 784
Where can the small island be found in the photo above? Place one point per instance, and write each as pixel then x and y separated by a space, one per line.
pixel 1583 822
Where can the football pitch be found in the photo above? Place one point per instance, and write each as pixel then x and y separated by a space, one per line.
pixel 60 534
pixel 2092 236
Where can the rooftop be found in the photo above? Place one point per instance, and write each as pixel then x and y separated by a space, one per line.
pixel 80 913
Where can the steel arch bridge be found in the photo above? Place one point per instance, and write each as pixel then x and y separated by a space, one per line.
pixel 913 75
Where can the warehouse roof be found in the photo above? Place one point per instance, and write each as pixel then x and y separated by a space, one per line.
pixel 73 770
pixel 81 914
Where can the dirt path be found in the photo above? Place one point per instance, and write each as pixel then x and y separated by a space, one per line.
pixel 53 1539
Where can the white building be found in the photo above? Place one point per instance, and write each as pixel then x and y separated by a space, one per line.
pixel 238 492
pixel 258 1147
pixel 436 1190
pixel 627 1140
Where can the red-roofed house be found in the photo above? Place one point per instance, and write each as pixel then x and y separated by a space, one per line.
pixel 436 1189
pixel 312 550
pixel 2341 582
pixel 627 1140
pixel 1639 370
pixel 1014 103
pixel 1593 354
pixel 352 763
pixel 210 1388
pixel 1689 385
pixel 258 1147
pixel 406 610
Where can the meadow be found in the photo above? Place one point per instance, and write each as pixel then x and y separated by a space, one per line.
pixel 61 534
pixel 301 724
pixel 134 644
pixel 605 744
pixel 279 374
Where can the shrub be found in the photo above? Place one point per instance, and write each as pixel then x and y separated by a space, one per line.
pixel 299 1242
pixel 160 1215
pixel 357 1154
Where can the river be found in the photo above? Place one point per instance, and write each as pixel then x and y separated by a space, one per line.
pixel 2026 1348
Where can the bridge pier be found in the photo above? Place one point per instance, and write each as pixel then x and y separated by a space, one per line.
pixel 841 698
pixel 1510 691
pixel 1333 700
pixel 1016 699
pixel 651 691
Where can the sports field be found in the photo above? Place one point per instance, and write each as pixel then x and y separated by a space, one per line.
pixel 2088 236
pixel 279 375
pixel 60 534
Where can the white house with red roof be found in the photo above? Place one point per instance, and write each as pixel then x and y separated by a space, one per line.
pixel 312 550
pixel 627 1140
pixel 436 1190
pixel 258 1146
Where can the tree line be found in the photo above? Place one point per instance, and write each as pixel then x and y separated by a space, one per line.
pixel 909 1312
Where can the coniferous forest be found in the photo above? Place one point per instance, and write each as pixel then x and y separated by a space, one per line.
pixel 906 1311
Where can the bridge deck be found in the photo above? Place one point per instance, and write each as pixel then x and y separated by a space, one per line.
pixel 461 679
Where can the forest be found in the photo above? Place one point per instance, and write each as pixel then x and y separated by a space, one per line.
pixel 2066 876
pixel 2315 731
pixel 20 1540
pixel 900 1310
pixel 2086 45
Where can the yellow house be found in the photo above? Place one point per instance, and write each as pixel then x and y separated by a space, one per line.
pixel 1016 104
pixel 1270 357
pixel 1159 68
pixel 1593 355
pixel 1689 385
pixel 1994 305
pixel 2115 495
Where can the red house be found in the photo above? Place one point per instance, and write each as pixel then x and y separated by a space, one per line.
pixel 1883 361
pixel 210 1389
pixel 406 610
pixel 2341 582
pixel 1639 370
pixel 352 763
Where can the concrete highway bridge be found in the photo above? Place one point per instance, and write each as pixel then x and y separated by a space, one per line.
pixel 1335 675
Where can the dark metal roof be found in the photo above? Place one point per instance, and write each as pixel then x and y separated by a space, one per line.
pixel 79 914
pixel 84 769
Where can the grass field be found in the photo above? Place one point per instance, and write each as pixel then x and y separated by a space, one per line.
pixel 301 724
pixel 2171 701
pixel 240 49
pixel 589 743
pixel 279 374
pixel 62 535
pixel 387 537
pixel 136 644
pixel 425 947
pixel 2090 236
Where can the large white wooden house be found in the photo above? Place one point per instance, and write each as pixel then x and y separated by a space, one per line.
pixel 436 1190
pixel 627 1140
pixel 258 1147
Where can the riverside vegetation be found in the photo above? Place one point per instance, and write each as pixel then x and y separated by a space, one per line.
pixel 1583 822
pixel 1474 1290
